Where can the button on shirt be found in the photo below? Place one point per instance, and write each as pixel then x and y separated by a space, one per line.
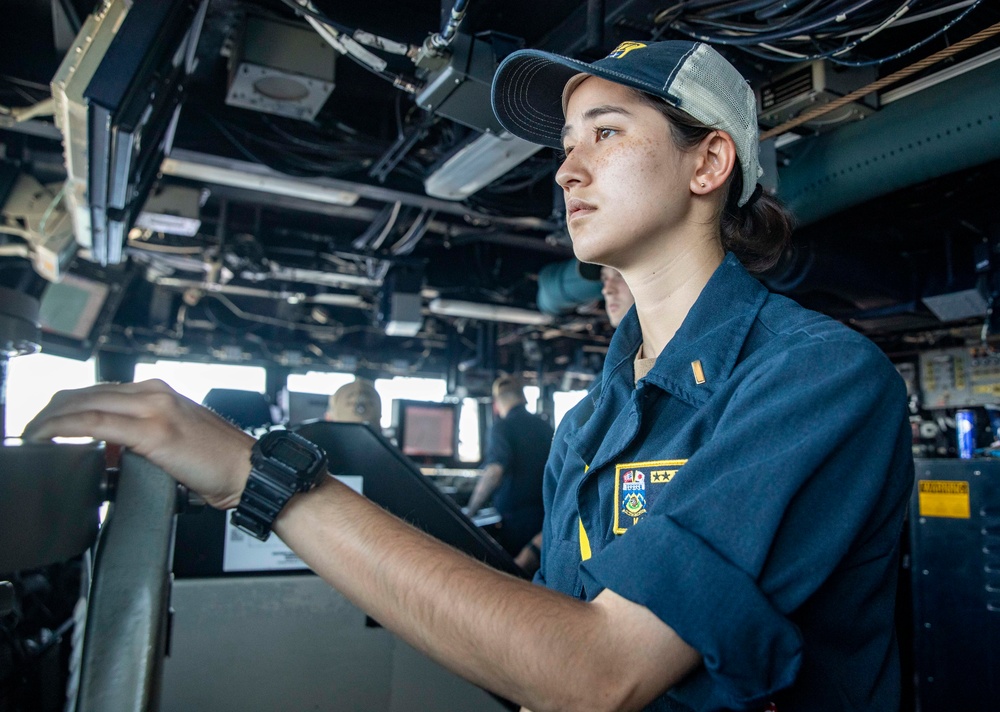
pixel 750 492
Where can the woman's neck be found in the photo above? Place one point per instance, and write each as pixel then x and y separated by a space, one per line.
pixel 667 286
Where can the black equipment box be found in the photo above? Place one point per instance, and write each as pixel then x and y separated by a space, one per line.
pixel 955 548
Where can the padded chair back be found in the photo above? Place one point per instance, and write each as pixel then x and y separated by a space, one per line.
pixel 246 409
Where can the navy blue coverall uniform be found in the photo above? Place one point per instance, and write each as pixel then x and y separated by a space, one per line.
pixel 750 492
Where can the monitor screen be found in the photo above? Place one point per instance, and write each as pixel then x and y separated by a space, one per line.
pixel 71 307
pixel 427 431
pixel 77 313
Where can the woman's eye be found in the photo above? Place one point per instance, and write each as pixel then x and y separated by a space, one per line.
pixel 604 133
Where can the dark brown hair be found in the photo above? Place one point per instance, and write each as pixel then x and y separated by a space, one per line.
pixel 758 232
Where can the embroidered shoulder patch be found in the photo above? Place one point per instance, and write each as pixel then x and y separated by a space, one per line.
pixel 633 481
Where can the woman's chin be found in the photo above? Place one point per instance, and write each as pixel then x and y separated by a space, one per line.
pixel 589 253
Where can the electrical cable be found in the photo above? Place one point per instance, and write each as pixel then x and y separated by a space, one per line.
pixel 382 43
pixel 813 24
pixel 940 31
pixel 910 19
pixel 29 235
pixel 341 39
pixel 832 55
pixel 798 57
pixel 390 223
pixel 414 234
pixel 56 199
pixel 26 83
pixel 803 30
pixel 884 81
pixel 777 8
pixel 334 330
pixel 288 163
pixel 45 107
pixel 363 241
pixel 442 39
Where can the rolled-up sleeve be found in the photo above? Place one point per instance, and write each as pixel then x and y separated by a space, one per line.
pixel 759 517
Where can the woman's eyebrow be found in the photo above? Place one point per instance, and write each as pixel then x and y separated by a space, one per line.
pixel 594 112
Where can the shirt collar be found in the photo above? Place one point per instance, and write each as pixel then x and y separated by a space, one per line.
pixel 712 333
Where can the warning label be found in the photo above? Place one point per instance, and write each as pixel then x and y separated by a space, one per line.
pixel 944 498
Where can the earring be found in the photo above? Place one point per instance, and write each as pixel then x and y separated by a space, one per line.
pixel 703 184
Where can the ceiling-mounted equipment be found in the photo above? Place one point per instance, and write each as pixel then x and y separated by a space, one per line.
pixel 487 312
pixel 252 176
pixel 477 164
pixel 807 85
pixel 118 94
pixel 401 307
pixel 44 222
pixel 460 90
pixel 280 68
pixel 172 209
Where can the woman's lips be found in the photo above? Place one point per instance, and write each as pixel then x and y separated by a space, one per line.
pixel 577 208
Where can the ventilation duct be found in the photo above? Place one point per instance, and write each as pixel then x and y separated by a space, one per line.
pixel 561 288
pixel 945 128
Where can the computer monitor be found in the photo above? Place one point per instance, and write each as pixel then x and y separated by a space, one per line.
pixel 78 311
pixel 427 432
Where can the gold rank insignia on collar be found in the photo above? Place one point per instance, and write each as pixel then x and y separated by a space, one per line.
pixel 699 372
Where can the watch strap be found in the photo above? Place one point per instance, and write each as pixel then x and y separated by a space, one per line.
pixel 262 500
pixel 272 482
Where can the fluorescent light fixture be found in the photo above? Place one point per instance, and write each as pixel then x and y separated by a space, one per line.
pixel 477 164
pixel 487 312
pixel 241 174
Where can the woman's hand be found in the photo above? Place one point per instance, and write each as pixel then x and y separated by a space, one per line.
pixel 194 445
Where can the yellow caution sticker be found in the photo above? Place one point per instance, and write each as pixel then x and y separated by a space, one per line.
pixel 943 498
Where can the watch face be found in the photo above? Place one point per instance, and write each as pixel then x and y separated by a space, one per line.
pixel 293 455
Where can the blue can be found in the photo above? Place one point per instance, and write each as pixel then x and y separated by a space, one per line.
pixel 965 424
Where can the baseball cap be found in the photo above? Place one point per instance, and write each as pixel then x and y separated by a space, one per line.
pixel 691 76
pixel 356 402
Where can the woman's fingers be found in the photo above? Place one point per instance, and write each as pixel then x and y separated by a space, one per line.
pixel 190 442
pixel 135 399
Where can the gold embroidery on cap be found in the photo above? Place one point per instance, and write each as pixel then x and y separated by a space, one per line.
pixel 699 372
pixel 624 48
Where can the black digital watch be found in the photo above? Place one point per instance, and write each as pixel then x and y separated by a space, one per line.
pixel 281 464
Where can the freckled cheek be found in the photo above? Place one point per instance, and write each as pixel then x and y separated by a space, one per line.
pixel 622 166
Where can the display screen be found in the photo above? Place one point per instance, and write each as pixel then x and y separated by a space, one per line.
pixel 427 430
pixel 71 307
pixel 293 455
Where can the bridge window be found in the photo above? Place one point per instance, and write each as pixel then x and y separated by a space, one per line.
pixel 32 381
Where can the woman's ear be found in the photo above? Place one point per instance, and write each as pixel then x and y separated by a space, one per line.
pixel 716 159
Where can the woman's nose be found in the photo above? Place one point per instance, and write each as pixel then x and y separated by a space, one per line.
pixel 571 171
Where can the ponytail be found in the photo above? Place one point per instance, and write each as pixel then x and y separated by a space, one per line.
pixel 759 231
